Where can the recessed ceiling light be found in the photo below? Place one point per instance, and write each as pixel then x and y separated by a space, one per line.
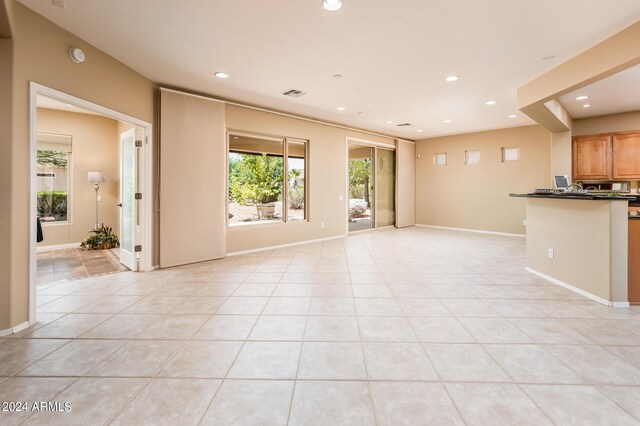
pixel 341 108
pixel 332 5
pixel 419 130
pixel 451 78
pixel 582 98
pixel 586 106
pixel 388 122
pixel 512 116
pixel 447 121
pixel 221 74
pixel 491 102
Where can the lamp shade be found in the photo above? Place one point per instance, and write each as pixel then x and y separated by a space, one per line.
pixel 95 177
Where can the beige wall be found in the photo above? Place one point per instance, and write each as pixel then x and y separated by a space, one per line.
pixel 589 239
pixel 41 55
pixel 95 147
pixel 477 196
pixel 327 179
pixel 607 123
pixel 561 154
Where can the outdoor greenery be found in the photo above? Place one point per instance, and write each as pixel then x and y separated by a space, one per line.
pixel 52 204
pixel 50 158
pixel 255 179
pixel 359 179
pixel 296 197
pixel 102 238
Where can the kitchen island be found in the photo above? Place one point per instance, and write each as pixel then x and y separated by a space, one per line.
pixel 580 241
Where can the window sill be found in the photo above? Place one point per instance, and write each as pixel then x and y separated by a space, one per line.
pixel 265 225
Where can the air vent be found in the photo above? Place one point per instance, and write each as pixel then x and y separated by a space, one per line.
pixel 404 124
pixel 294 93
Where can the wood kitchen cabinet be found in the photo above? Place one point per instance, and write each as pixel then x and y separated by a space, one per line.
pixel 591 157
pixel 626 156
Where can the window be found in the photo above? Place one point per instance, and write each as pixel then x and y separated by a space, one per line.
pixel 440 159
pixel 259 189
pixel 510 153
pixel 53 158
pixel 472 157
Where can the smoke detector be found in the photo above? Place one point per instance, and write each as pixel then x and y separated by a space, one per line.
pixel 404 124
pixel 77 55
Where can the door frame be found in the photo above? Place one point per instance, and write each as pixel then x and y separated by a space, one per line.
pixel 145 183
pixel 370 144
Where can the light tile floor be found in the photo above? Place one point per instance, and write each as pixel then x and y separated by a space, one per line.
pixel 412 326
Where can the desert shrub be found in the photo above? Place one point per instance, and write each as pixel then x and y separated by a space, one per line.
pixel 356 191
pixel 296 197
pixel 357 208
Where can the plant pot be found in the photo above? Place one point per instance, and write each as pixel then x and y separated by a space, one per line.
pixel 266 211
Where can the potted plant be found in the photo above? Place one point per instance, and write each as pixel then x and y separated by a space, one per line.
pixel 258 180
pixel 102 238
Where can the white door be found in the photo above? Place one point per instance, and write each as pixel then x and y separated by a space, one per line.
pixel 128 203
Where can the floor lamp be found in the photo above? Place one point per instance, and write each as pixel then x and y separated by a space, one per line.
pixel 95 178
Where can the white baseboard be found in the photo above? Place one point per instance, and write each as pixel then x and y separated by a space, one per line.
pixel 17 329
pixel 477 231
pixel 41 249
pixel 578 290
pixel 301 243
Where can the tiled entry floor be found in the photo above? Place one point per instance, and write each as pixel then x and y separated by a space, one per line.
pixel 72 264
pixel 411 326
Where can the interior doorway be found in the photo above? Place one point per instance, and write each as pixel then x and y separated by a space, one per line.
pixel 90 168
pixel 371 185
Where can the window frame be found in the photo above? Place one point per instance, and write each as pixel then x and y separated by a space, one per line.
pixel 285 180
pixel 52 138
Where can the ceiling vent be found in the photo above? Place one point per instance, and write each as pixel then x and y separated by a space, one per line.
pixel 294 93
pixel 404 124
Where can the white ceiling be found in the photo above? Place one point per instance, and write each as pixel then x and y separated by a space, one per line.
pixel 612 95
pixel 394 55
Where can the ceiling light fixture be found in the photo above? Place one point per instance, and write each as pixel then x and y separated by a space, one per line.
pixel 451 78
pixel 341 108
pixel 491 102
pixel 448 121
pixel 419 130
pixel 221 74
pixel 586 106
pixel 388 122
pixel 582 98
pixel 332 5
pixel 512 116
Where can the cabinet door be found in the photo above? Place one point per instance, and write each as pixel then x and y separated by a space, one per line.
pixel 626 156
pixel 592 157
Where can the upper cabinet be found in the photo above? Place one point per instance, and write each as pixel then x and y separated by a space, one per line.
pixel 626 156
pixel 591 157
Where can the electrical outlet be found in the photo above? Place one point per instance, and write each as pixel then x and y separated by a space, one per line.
pixel 322 225
pixel 551 253
pixel 524 222
pixel 340 197
pixel 99 197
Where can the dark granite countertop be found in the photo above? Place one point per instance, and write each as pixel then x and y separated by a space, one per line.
pixel 573 196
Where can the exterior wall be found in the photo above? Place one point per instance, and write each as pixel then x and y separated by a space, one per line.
pixel 477 196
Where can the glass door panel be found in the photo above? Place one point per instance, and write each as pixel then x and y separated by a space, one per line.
pixel 361 188
pixel 386 187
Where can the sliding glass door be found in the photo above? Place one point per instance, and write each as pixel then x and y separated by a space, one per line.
pixel 385 187
pixel 361 188
pixel 371 187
